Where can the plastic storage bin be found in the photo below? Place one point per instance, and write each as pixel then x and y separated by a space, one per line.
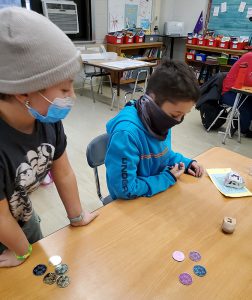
pixel 128 39
pixel 202 42
pixel 200 57
pixel 111 39
pixel 213 43
pixel 222 60
pixel 224 45
pixel 232 60
pixel 192 40
pixel 237 45
pixel 151 38
pixel 190 56
pixel 139 39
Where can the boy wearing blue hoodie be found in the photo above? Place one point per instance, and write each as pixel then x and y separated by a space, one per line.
pixel 139 159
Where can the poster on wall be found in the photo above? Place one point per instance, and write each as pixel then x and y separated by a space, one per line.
pixel 115 15
pixel 7 3
pixel 130 15
pixel 126 13
pixel 146 9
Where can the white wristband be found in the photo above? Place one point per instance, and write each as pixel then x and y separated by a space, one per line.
pixel 76 219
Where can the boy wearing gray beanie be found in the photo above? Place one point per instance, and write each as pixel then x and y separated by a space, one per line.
pixel 37 65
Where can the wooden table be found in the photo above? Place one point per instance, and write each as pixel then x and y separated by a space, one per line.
pixel 247 91
pixel 126 252
pixel 119 71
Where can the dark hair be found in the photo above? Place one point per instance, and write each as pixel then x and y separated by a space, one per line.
pixel 173 81
pixel 4 96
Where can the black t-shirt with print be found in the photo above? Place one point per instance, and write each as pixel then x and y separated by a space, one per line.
pixel 24 162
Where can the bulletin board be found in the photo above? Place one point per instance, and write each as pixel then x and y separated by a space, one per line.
pixel 128 13
pixel 230 17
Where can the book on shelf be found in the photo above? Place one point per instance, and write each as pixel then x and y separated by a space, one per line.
pixel 148 53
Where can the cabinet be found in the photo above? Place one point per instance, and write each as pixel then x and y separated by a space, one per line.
pixel 150 52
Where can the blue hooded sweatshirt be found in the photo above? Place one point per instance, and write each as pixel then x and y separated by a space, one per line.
pixel 137 164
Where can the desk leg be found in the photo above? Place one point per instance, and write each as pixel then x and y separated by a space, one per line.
pixel 237 99
pixel 119 73
pixel 172 45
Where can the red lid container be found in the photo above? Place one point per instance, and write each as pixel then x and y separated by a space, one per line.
pixel 128 39
pixel 111 39
pixel 192 40
pixel 224 45
pixel 139 39
pixel 202 42
pixel 213 43
pixel 237 45
pixel 190 56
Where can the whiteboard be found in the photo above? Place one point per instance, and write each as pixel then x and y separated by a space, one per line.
pixel 123 13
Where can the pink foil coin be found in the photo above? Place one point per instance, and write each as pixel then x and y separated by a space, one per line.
pixel 178 255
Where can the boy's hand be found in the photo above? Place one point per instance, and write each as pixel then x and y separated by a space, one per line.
pixel 87 218
pixel 195 169
pixel 8 259
pixel 178 170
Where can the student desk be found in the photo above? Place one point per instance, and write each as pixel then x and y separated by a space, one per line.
pixel 118 70
pixel 247 91
pixel 126 253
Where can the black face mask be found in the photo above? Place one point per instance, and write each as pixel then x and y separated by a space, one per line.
pixel 154 118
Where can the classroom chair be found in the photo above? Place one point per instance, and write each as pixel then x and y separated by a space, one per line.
pixel 132 88
pixel 89 73
pixel 95 153
pixel 232 117
pixel 224 114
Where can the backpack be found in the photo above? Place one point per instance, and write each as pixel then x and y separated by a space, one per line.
pixel 209 111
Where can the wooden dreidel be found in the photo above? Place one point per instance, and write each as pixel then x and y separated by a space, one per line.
pixel 228 225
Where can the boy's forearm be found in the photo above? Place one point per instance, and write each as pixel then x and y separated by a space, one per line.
pixel 66 184
pixel 69 194
pixel 11 235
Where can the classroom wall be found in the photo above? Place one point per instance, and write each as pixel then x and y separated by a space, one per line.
pixel 163 10
pixel 186 11
pixel 100 17
pixel 166 13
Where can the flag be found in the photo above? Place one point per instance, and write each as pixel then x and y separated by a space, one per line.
pixel 199 25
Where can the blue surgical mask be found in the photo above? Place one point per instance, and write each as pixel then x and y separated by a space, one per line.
pixel 57 110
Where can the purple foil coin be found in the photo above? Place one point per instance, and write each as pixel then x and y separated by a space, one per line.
pixel 185 278
pixel 178 255
pixel 194 256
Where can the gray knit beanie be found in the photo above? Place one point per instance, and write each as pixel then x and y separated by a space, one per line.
pixel 34 53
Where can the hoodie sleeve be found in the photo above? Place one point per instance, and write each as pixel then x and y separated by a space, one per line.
pixel 176 158
pixel 121 162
